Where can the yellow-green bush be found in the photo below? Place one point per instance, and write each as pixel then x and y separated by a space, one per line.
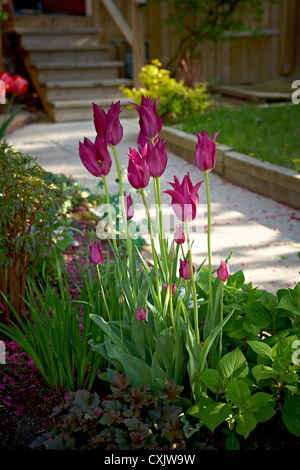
pixel 176 99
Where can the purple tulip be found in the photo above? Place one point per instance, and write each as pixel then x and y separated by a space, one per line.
pixel 205 154
pixel 157 158
pixel 173 288
pixel 150 122
pixel 141 314
pixel 138 172
pixel 95 157
pixel 108 126
pixel 128 206
pixel 223 271
pixel 184 269
pixel 179 236
pixel 184 198
pixel 95 253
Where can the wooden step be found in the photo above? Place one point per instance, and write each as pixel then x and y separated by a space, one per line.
pixel 39 40
pixel 87 89
pixel 52 22
pixel 48 72
pixel 82 110
pixel 83 54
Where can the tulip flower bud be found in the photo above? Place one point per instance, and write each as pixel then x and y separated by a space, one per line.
pixel 121 299
pixel 173 288
pixel 141 314
pixel 172 251
pixel 179 236
pixel 128 207
pixel 223 271
pixel 95 253
pixel 205 155
pixel 184 269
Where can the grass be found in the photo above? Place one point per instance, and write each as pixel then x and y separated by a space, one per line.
pixel 271 134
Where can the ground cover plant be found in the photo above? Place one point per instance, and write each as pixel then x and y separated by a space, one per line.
pixel 186 356
pixel 268 133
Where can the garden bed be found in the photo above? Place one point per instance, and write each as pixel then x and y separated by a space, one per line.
pixel 268 179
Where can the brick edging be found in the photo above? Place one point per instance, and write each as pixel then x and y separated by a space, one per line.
pixel 268 179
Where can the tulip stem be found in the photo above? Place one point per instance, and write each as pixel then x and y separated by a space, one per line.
pixel 163 253
pixel 109 213
pixel 152 240
pixel 221 319
pixel 171 302
pixel 193 284
pixel 128 241
pixel 208 243
pixel 103 295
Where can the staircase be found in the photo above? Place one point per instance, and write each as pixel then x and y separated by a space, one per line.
pixel 70 66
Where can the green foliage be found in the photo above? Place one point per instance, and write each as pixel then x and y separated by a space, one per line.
pixel 56 335
pixel 196 21
pixel 176 99
pixel 270 134
pixel 129 418
pixel 27 206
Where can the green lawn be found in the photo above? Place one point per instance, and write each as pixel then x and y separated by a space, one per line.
pixel 271 134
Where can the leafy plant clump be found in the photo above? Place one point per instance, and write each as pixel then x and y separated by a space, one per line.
pixel 129 418
pixel 176 99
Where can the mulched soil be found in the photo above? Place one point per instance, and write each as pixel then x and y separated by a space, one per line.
pixel 26 402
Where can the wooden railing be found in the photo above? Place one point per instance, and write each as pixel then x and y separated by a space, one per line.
pixel 133 33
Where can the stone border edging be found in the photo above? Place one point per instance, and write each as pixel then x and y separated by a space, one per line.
pixel 268 179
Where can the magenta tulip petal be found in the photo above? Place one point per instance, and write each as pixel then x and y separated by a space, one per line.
pixel 89 159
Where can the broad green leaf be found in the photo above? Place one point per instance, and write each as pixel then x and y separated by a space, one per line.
pixel 238 393
pixel 286 303
pixel 263 372
pixel 259 315
pixel 246 422
pixel 236 280
pixel 262 349
pixel 291 414
pixel 232 442
pixel 136 370
pixel 196 409
pixel 215 414
pixel 232 365
pixel 211 379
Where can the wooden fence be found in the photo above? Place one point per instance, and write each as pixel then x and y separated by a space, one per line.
pixel 242 58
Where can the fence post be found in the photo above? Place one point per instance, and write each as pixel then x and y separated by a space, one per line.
pixel 138 39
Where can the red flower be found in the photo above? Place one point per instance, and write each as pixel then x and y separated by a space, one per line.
pixel 179 236
pixel 7 79
pixel 223 271
pixel 19 85
pixel 150 122
pixel 184 198
pixel 138 172
pixel 95 253
pixel 184 270
pixel 108 126
pixel 95 157
pixel 205 155
pixel 141 314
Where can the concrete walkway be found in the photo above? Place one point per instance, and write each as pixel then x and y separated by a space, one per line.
pixel 264 234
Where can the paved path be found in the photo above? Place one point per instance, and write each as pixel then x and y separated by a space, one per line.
pixel 264 234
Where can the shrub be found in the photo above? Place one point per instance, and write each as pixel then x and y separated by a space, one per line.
pixel 27 206
pixel 176 99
